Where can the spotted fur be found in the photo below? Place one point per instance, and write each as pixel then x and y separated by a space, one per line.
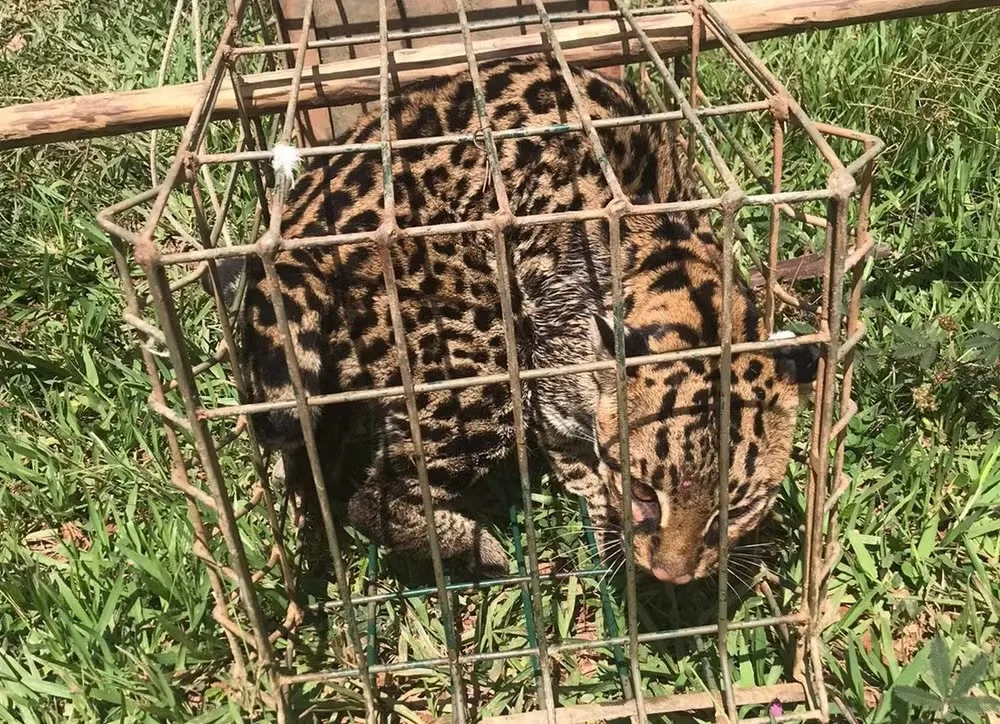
pixel 342 331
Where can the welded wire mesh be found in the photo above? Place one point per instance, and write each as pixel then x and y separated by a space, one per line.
pixel 298 644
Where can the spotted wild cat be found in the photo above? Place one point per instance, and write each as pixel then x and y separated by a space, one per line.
pixel 560 285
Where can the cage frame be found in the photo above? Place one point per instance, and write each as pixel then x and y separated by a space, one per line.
pixel 838 333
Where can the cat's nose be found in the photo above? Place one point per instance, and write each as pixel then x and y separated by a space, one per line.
pixel 678 579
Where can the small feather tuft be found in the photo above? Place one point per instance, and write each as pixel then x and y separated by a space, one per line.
pixel 285 160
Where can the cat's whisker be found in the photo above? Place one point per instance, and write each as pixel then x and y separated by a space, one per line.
pixel 612 569
pixel 621 563
pixel 747 563
pixel 608 548
pixel 754 546
pixel 732 588
pixel 746 577
pixel 772 576
pixel 585 438
pixel 733 575
pixel 744 553
pixel 745 557
pixel 751 573
pixel 604 548
pixel 607 556
pixel 570 558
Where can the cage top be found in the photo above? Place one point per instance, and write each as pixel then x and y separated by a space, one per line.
pixel 609 37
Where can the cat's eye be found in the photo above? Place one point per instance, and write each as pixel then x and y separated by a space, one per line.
pixel 645 508
pixel 644 493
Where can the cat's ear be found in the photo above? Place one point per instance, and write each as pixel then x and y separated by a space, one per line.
pixel 231 270
pixel 799 365
pixel 636 343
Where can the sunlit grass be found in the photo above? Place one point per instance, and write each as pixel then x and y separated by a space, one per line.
pixel 104 613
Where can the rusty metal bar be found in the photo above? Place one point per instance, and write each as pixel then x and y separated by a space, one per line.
pixel 848 411
pixel 696 33
pixel 791 197
pixel 150 330
pixel 740 51
pixel 210 238
pixel 251 142
pixel 855 331
pixel 873 147
pixel 201 552
pixel 779 115
pixel 231 627
pixel 687 632
pixel 859 253
pixel 688 112
pixel 817 670
pixel 776 109
pixel 179 477
pixel 855 336
pixel 255 497
pixel 438 663
pixel 503 222
pixel 220 354
pixel 195 493
pixel 618 310
pixel 106 219
pixel 554 650
pixel 267 248
pixel 169 416
pixel 385 237
pixel 731 206
pixel 529 374
pixel 459 588
pixel 432 32
pixel 248 137
pixel 619 203
pixel 147 256
pixel 843 185
pixel 454 138
pixel 198 120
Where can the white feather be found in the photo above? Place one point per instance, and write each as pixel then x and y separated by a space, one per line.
pixel 285 160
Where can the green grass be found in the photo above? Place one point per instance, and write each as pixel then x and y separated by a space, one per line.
pixel 104 614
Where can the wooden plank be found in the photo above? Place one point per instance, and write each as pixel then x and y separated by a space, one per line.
pixel 354 80
pixel 344 18
pixel 315 124
pixel 807 266
pixel 582 713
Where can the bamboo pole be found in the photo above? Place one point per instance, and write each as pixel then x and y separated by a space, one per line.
pixel 351 81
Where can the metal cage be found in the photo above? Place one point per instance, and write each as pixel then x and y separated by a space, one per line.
pixel 177 231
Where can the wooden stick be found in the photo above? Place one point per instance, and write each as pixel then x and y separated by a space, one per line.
pixel 351 81
pixel 807 266
pixel 581 713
